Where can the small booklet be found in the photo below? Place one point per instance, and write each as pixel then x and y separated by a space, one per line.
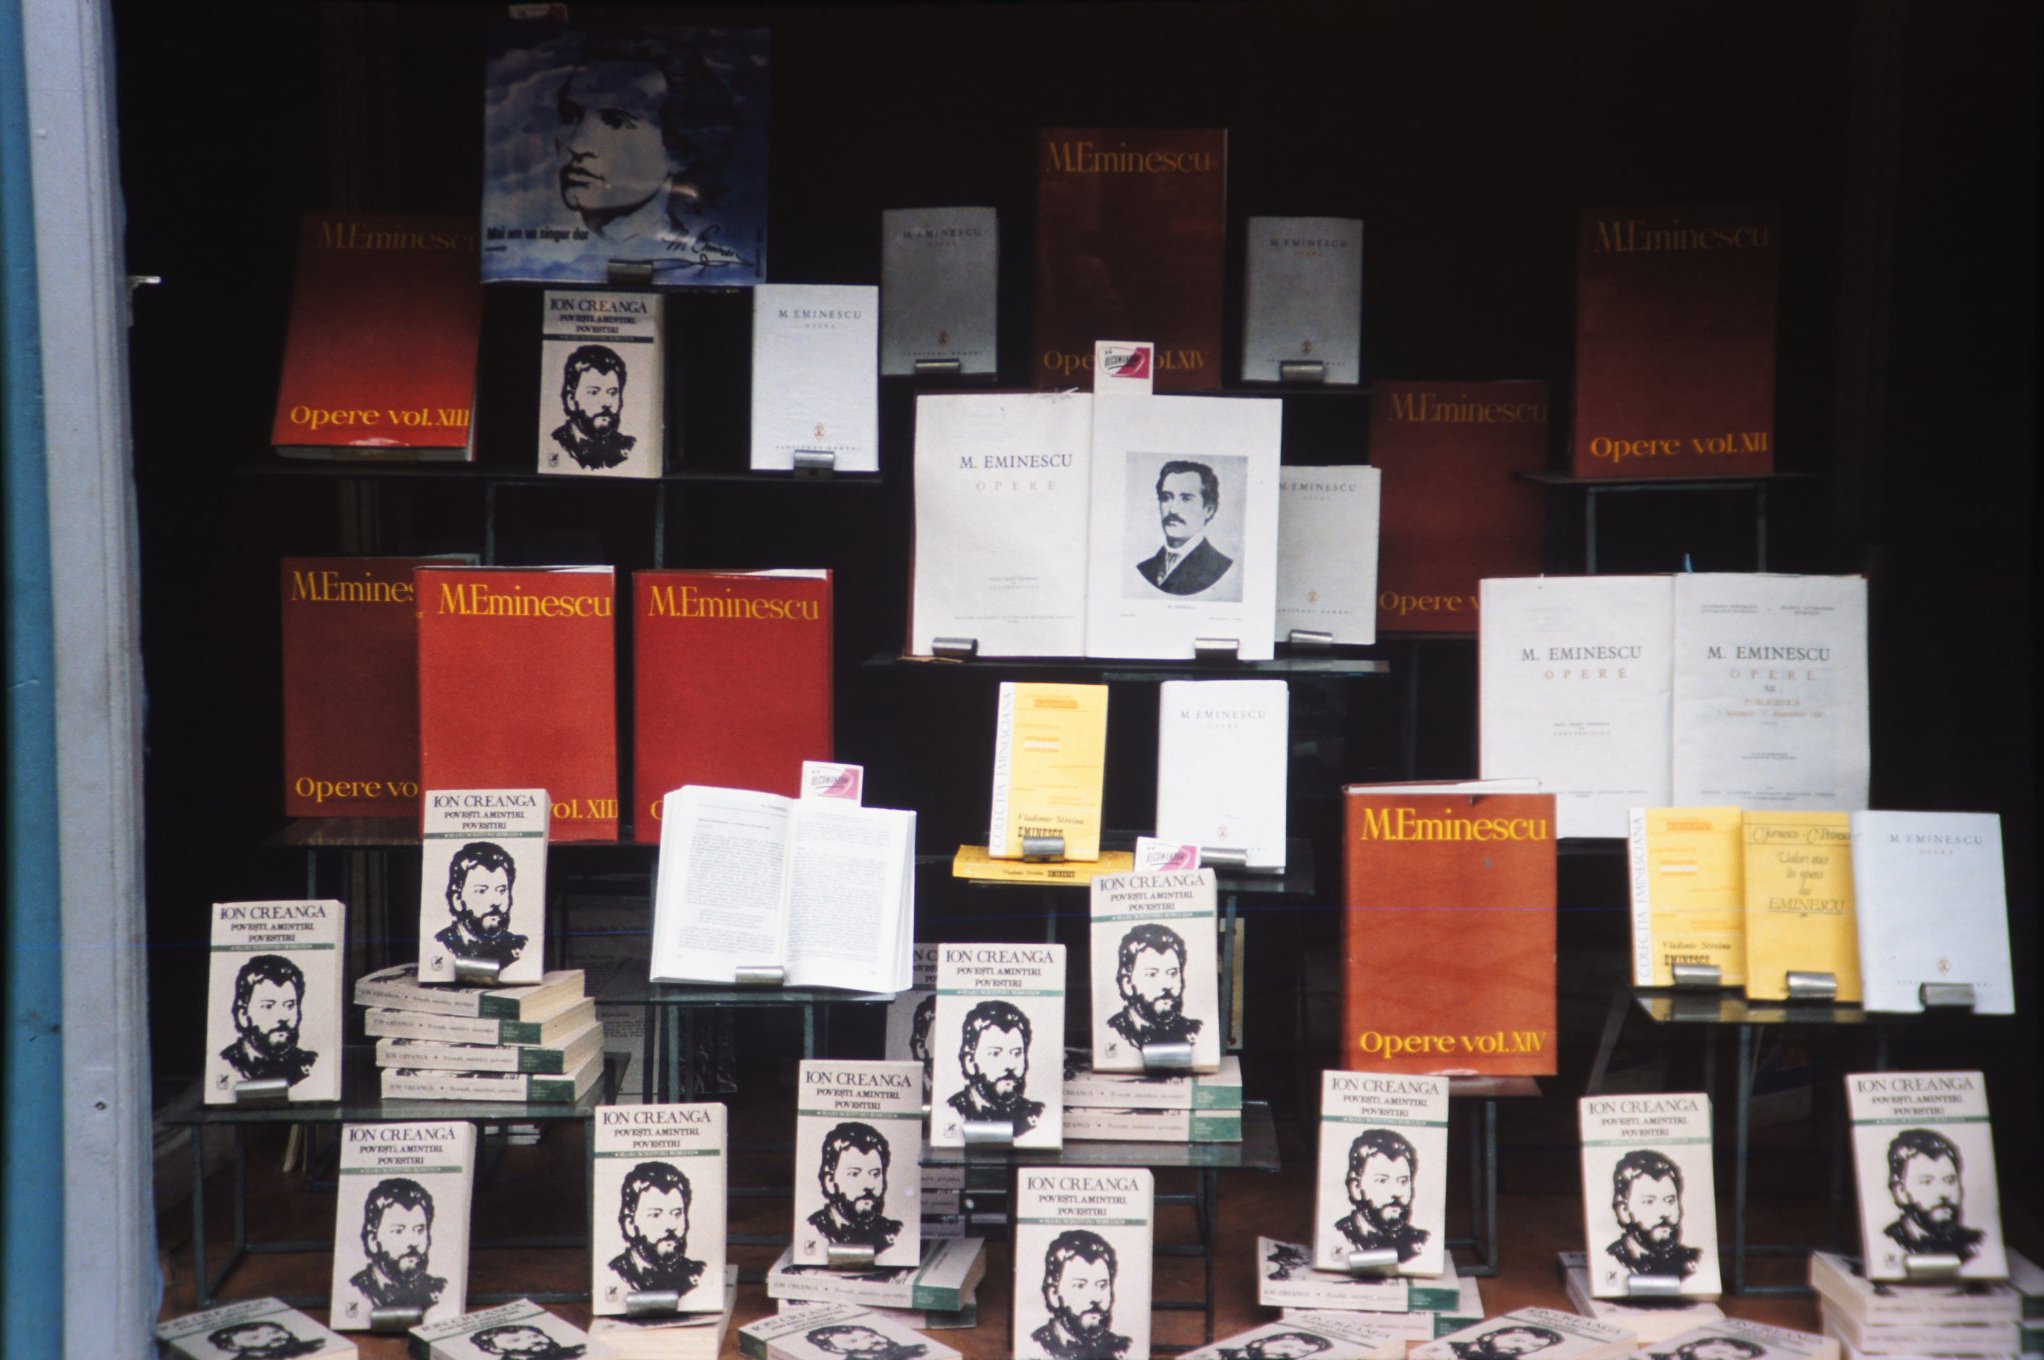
pixel 273 999
pixel 1745 1340
pixel 1383 1178
pixel 1649 1198
pixel 482 883
pixel 815 374
pixel 1923 1156
pixel 1688 893
pixel 602 385
pixel 1327 553
pixel 1550 1334
pixel 946 1281
pixel 1302 298
pixel 858 1143
pixel 252 1327
pixel 832 1331
pixel 1799 902
pixel 658 1193
pixel 1156 985
pixel 401 1222
pixel 939 288
pixel 1050 762
pixel 1083 1243
pixel 1327 1336
pixel 518 1328
pixel 1223 751
pixel 1001 1012
pixel 822 890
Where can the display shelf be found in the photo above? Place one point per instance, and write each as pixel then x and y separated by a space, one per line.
pixel 479 473
pixel 1344 667
pixel 402 833
pixel 1594 489
pixel 1299 878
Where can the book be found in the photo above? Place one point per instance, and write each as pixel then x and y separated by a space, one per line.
pixel 815 381
pixel 1675 323
pixel 1327 553
pixel 1082 1262
pixel 1842 1286
pixel 669 1336
pixel 821 890
pixel 1155 974
pixel 541 1059
pixel 251 1327
pixel 273 999
pixel 708 646
pixel 973 862
pixel 592 163
pixel 1923 1159
pixel 858 1143
pixel 1302 298
pixel 1449 935
pixel 1330 1336
pixel 1735 1336
pixel 1525 1331
pixel 657 1189
pixel 401 1222
pixel 482 882
pixel 1799 909
pixel 1288 1279
pixel 602 385
pixel 1688 885
pixel 1649 1198
pixel 1001 1010
pixel 1148 1124
pixel 909 1018
pixel 1050 761
pixel 1650 1319
pixel 1908 1341
pixel 829 1331
pixel 939 289
pixel 520 1327
pixel 1382 1184
pixel 522 1088
pixel 946 1281
pixel 1131 230
pixel 1933 908
pixel 556 728
pixel 1219 1090
pixel 380 357
pixel 1413 1326
pixel 921 1319
pixel 1223 761
pixel 398 988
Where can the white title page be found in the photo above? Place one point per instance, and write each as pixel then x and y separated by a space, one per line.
pixel 815 374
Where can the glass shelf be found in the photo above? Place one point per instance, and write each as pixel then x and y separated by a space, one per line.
pixel 1666 1005
pixel 1338 665
pixel 454 471
pixel 362 1102
pixel 1258 1151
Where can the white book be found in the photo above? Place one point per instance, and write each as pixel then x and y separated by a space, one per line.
pixel 1923 1158
pixel 1327 1336
pixel 1650 1319
pixel 273 999
pixel 946 1281
pixel 401 1222
pixel 832 1331
pixel 858 1142
pixel 547 1059
pixel 909 1017
pixel 1183 527
pixel 815 379
pixel 1327 552
pixel 1156 974
pixel 1415 1326
pixel 1848 1351
pixel 1913 1341
pixel 657 1187
pixel 1082 1262
pixel 380 1022
pixel 1750 1341
pixel 1303 297
pixel 602 384
pixel 670 1336
pixel 1223 754
pixel 520 1327
pixel 1842 1286
pixel 424 1083
pixel 1220 1089
pixel 921 1319
pixel 1770 700
pixel 1575 679
pixel 482 882
pixel 1649 1198
pixel 1932 907
pixel 999 1034
pixel 1544 1332
pixel 939 288
pixel 1001 492
pixel 1288 1279
pixel 823 890
pixel 1152 1125
pixel 252 1327
pixel 398 988
pixel 1382 1183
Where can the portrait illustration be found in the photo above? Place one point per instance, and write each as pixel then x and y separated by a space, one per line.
pixel 1183 527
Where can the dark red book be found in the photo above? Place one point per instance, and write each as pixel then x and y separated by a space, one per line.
pixel 1131 230
pixel 732 682
pixel 1675 319
pixel 518 688
pixel 380 360
pixel 1452 510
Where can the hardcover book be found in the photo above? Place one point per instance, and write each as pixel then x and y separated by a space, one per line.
pixel 556 727
pixel 641 149
pixel 831 1331
pixel 1382 1186
pixel 520 1327
pixel 710 646
pixel 939 288
pixel 519 1088
pixel 1155 971
pixel 658 1191
pixel 1329 1336
pixel 946 1281
pixel 1288 1279
pixel 1219 1090
pixel 602 385
pixel 273 999
pixel 1923 1158
pixel 1734 1336
pixel 401 1222
pixel 482 882
pixel 252 1327
pixel 1649 1201
pixel 1001 1011
pixel 1525 1331
pixel 1082 1262
pixel 1327 552
pixel 1223 761
pixel 429 1055
pixel 1131 234
pixel 380 360
pixel 815 380
pixel 1799 902
pixel 858 1143
pixel 1650 1319
pixel 398 988
pixel 1050 760
pixel 1933 908
pixel 1688 893
pixel 1453 512
pixel 1303 298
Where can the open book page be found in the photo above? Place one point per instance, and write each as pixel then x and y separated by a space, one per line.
pixel 718 904
pixel 846 892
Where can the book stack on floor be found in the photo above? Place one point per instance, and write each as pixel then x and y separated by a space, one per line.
pixel 540 1043
pixel 1652 1320
pixel 251 1327
pixel 671 1336
pixel 1952 1317
pixel 520 1327
pixel 1193 1107
pixel 825 1331
pixel 942 1292
pixel 1419 1308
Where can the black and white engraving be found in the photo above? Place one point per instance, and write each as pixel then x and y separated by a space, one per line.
pixel 481 880
pixel 269 999
pixel 1646 1197
pixel 1382 1174
pixel 658 1211
pixel 593 382
pixel 273 1005
pixel 1155 977
pixel 859 1342
pixel 993 1057
pixel 523 1341
pixel 1714 1348
pixel 482 883
pixel 1513 1340
pixel 852 1173
pixel 1188 496
pixel 397 1239
pixel 262 1339
pixel 1150 973
pixel 1275 1346
pixel 1926 1181
pixel 1078 1291
pixel 652 1214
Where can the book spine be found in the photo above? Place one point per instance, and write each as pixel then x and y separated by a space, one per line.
pixel 1004 756
pixel 1642 899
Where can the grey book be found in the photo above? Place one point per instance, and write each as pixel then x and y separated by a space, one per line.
pixel 939 276
pixel 1303 298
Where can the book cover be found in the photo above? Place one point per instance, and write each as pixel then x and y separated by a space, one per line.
pixel 1747 1340
pixel 398 988
pixel 639 148
pixel 831 1331
pixel 946 1281
pixel 858 1142
pixel 1328 1336
pixel 1152 1125
pixel 1933 908
pixel 1219 1090
pixel 909 1019
pixel 1223 766
pixel 1453 512
pixel 1382 1184
pixel 482 882
pixel 1675 322
pixel 658 1190
pixel 1001 1011
pixel 602 385
pixel 1082 1262
pixel 520 1328
pixel 1415 1326
pixel 1155 970
pixel 1649 1200
pixel 1288 1279
pixel 553 628
pixel 273 999
pixel 973 862
pixel 1302 298
pixel 1650 1319
pixel 380 359
pixel 1799 902
pixel 1688 886
pixel 518 1088
pixel 1450 932
pixel 670 1336
pixel 568 1056
pixel 252 1327
pixel 1327 552
pixel 939 288
pixel 1923 1158
pixel 401 1222
pixel 1843 1287
pixel 1131 235
pixel 1050 761
pixel 815 374
pixel 1551 1334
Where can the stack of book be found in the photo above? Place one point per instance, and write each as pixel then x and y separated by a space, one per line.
pixel 942 1292
pixel 520 1327
pixel 251 1327
pixel 674 1336
pixel 1197 1107
pixel 1556 1336
pixel 825 1331
pixel 1880 1318
pixel 539 1044
pixel 1652 1320
pixel 1420 1308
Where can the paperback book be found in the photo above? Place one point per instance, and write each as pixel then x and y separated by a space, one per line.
pixel 1148 1124
pixel 1933 908
pixel 1329 1336
pixel 482 883
pixel 669 1336
pixel 1526 1331
pixel 1082 1262
pixel 1287 1278
pixel 1842 1287
pixel 1382 1187
pixel 858 1145
pixel 658 1183
pixel 946 1281
pixel 426 1055
pixel 909 1019
pixel 401 1222
pixel 1303 300
pixel 1747 1340
pixel 1001 1011
pixel 521 1088
pixel 1156 988
pixel 1649 1199
pixel 815 381
pixel 1923 1159
pixel 1650 1319
pixel 273 1000
pixel 252 1327
pixel 1327 553
pixel 1050 761
pixel 939 290
pixel 831 1331
pixel 1688 893
pixel 1800 913
pixel 398 988
pixel 602 385
pixel 1223 761
pixel 520 1328
pixel 1219 1090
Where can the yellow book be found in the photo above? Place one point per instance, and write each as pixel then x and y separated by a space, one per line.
pixel 1050 757
pixel 1688 893
pixel 1799 902
pixel 973 861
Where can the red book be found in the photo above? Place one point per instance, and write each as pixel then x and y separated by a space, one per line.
pixel 732 682
pixel 380 360
pixel 1131 226
pixel 1453 513
pixel 518 688
pixel 1675 313
pixel 1450 933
